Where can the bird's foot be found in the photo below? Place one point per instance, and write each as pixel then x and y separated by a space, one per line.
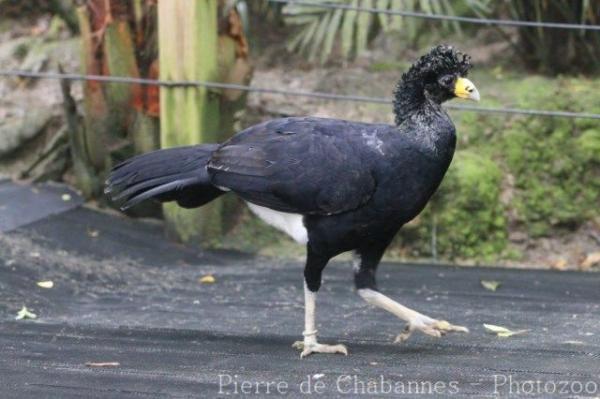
pixel 429 326
pixel 309 348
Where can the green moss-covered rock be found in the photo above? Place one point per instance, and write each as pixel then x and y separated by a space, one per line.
pixel 587 145
pixel 555 161
pixel 547 178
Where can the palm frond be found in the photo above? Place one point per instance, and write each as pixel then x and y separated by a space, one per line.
pixel 320 27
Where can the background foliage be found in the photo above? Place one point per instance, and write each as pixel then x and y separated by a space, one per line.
pixel 517 182
pixel 546 50
pixel 320 28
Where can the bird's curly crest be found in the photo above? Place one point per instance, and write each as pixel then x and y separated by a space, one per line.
pixel 440 60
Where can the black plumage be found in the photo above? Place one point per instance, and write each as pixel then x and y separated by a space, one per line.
pixel 354 184
pixel 175 174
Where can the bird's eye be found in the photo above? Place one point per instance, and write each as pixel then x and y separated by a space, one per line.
pixel 446 80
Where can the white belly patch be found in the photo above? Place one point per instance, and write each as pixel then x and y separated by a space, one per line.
pixel 289 223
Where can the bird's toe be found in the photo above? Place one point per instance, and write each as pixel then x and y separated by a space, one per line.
pixel 309 349
pixel 445 327
pixel 429 326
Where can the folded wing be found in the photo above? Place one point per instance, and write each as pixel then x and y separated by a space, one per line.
pixel 299 165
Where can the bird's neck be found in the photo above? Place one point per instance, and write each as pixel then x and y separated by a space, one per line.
pixel 427 122
pixel 409 97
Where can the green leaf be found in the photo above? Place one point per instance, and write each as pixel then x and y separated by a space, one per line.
pixel 411 23
pixel 312 28
pixel 348 30
pixel 491 285
pixel 396 21
pixel 355 28
pixel 425 5
pixel 293 9
pixel 319 36
pixel 300 19
pixel 295 42
pixel 503 332
pixel 363 25
pixel 448 9
pixel 384 19
pixel 331 33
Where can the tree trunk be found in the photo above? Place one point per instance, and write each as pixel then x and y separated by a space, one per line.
pixel 234 67
pixel 189 115
pixel 89 149
pixel 120 119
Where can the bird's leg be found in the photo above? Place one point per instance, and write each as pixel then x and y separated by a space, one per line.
pixel 415 320
pixel 310 345
pixel 364 278
pixel 312 282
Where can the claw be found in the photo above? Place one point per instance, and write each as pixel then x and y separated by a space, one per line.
pixel 434 328
pixel 444 326
pixel 404 335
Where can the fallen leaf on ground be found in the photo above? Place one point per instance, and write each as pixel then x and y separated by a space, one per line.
pixel 590 260
pixel 560 264
pixel 45 284
pixel 25 313
pixel 103 364
pixel 503 331
pixel 208 279
pixel 491 285
pixel 574 342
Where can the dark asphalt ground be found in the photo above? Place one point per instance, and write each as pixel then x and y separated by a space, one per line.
pixel 124 294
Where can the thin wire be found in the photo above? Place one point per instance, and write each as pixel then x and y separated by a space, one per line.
pixel 481 21
pixel 320 95
pixel 187 83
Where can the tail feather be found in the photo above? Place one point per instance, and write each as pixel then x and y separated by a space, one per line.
pixel 177 185
pixel 174 174
pixel 145 185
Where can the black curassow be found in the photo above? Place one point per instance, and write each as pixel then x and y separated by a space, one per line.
pixel 331 184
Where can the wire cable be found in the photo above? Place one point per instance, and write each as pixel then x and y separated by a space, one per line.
pixel 414 14
pixel 284 92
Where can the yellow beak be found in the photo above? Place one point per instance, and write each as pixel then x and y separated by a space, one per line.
pixel 464 88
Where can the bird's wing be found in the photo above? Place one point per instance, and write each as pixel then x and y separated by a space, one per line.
pixel 299 165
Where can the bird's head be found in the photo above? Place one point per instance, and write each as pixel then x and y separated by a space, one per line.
pixel 443 74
